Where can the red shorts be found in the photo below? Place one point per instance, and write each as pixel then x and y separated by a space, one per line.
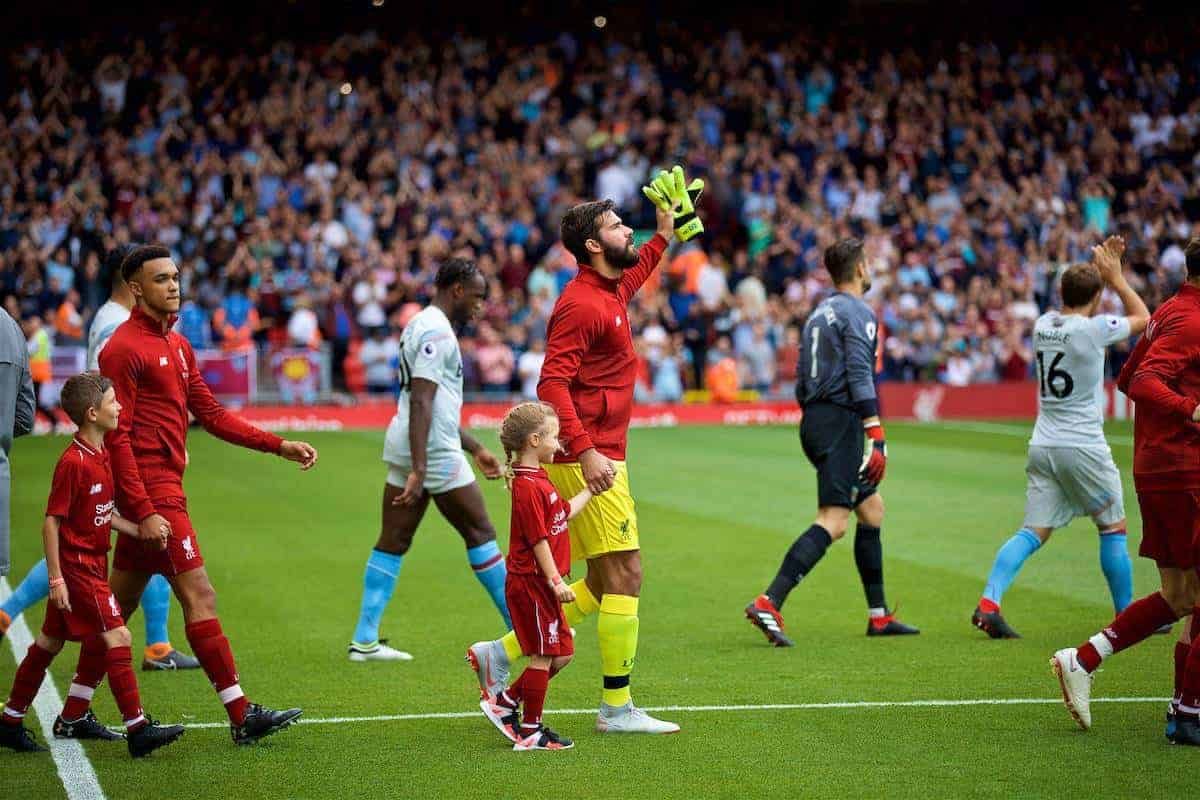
pixel 1170 527
pixel 183 550
pixel 537 617
pixel 94 609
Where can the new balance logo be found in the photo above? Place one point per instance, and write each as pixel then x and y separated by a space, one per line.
pixel 554 497
pixel 97 488
pixel 163 361
pixel 189 551
pixel 618 320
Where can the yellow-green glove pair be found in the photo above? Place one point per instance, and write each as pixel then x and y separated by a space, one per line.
pixel 670 191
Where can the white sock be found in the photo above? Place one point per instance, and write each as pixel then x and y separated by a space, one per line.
pixel 1102 644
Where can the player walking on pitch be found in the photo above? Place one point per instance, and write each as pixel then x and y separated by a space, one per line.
pixel 423 449
pixel 153 370
pixel 77 534
pixel 836 391
pixel 1163 379
pixel 156 600
pixel 588 379
pixel 1070 468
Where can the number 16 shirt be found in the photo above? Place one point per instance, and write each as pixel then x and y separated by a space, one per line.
pixel 1069 362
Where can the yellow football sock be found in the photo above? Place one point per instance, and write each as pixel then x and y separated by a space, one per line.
pixel 618 632
pixel 584 606
pixel 512 648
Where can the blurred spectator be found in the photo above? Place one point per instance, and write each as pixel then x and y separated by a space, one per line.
pixel 304 329
pixel 236 320
pixel 668 374
pixel 721 376
pixel 529 368
pixel 37 339
pixel 495 361
pixel 68 322
pixel 759 360
pixel 378 353
pixel 195 325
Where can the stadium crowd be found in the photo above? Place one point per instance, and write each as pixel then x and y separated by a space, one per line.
pixel 309 191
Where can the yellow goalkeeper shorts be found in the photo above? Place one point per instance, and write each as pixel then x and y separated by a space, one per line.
pixel 607 524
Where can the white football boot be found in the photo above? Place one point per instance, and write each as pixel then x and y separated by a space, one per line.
pixel 1076 683
pixel 630 719
pixel 377 652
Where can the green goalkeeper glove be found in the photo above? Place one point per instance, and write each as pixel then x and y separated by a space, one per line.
pixel 669 191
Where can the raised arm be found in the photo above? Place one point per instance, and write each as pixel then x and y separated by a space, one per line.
pixel 649 256
pixel 1107 258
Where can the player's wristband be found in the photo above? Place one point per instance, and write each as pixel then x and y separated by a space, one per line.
pixel 874 431
pixel 57 582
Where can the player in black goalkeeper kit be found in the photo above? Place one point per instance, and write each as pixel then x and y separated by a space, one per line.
pixel 836 390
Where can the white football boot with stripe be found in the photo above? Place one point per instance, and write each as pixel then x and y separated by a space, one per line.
pixel 378 651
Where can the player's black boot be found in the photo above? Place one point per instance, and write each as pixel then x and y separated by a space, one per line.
pixel 86 727
pixel 261 721
pixel 766 617
pixel 16 737
pixel 1187 730
pixel 991 623
pixel 151 736
pixel 890 626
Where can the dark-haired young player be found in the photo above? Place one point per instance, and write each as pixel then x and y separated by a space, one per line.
pixel 154 372
pixel 836 390
pixel 423 449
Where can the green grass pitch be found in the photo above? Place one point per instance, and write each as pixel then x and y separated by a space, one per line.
pixel 717 507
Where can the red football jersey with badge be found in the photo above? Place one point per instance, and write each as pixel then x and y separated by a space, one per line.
pixel 81 495
pixel 1162 377
pixel 538 512
pixel 591 364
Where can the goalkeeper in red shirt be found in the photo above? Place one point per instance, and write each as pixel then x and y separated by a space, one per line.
pixel 588 379
pixel 1162 376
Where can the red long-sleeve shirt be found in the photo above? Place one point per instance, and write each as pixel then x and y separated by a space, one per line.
pixel 1162 377
pixel 590 365
pixel 156 380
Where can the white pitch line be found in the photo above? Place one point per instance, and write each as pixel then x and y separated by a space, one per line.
pixel 74 768
pixel 1001 429
pixel 1009 701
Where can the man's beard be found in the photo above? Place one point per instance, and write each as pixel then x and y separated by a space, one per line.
pixel 620 258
